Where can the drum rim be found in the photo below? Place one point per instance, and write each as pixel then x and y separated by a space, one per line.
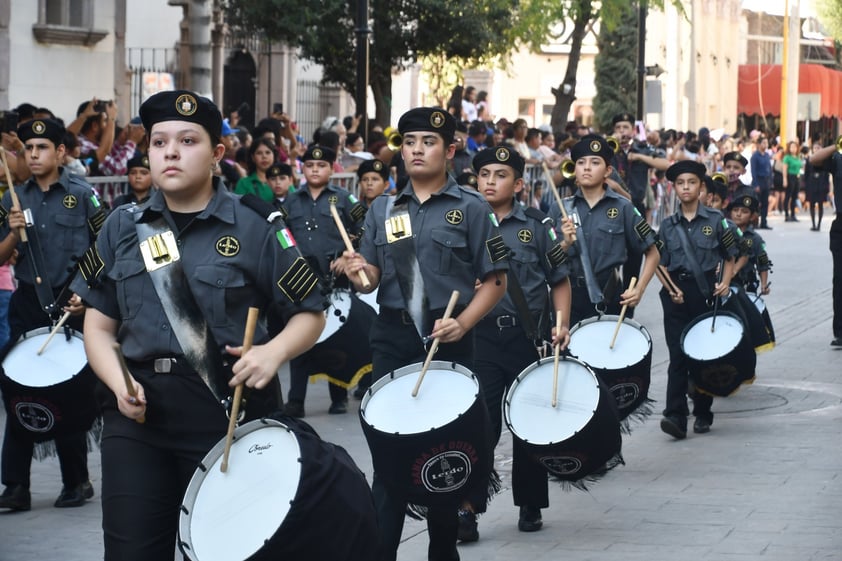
pixel 188 501
pixel 46 330
pixel 37 332
pixel 698 319
pixel 506 404
pixel 613 319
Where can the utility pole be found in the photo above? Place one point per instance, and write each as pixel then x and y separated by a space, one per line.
pixel 363 32
pixel 641 56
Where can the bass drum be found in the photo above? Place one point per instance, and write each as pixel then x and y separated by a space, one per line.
pixel 49 394
pixel 342 354
pixel 577 438
pixel 720 355
pixel 283 487
pixel 625 368
pixel 433 449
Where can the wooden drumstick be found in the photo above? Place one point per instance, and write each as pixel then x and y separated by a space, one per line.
pixel 622 315
pixel 13 194
pixel 347 240
pixel 127 377
pixel 449 310
pixel 561 206
pixel 63 319
pixel 248 338
pixel 666 279
pixel 557 355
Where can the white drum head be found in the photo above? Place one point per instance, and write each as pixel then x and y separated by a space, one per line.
pixel 528 407
pixel 337 314
pixel 701 344
pixel 231 514
pixel 447 392
pixel 590 340
pixel 60 361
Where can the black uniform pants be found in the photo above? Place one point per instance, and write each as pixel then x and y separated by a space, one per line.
pixel 502 354
pixel 395 344
pixel 146 467
pixel 582 308
pixel 676 318
pixel 764 184
pixel 836 252
pixel 25 315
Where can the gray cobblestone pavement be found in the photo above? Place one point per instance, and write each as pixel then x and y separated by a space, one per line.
pixel 765 484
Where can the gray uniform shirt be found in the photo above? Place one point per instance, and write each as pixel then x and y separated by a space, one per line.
pixel 455 235
pixel 712 237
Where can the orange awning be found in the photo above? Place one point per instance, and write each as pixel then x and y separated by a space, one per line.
pixel 759 88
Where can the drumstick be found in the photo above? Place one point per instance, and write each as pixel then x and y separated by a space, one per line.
pixel 347 240
pixel 449 310
pixel 561 206
pixel 666 279
pixel 53 332
pixel 248 337
pixel 557 354
pixel 622 315
pixel 13 194
pixel 127 377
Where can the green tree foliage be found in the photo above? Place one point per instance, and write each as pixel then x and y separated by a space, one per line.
pixel 616 69
pixel 830 15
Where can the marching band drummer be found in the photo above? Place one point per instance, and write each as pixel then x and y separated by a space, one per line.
pixel 507 337
pixel 450 233
pixel 713 240
pixel 66 218
pixel 171 279
pixel 611 229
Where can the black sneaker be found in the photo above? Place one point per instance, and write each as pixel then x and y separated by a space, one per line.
pixel 294 409
pixel 16 497
pixel 675 427
pixel 468 527
pixel 359 393
pixel 338 407
pixel 530 519
pixel 837 342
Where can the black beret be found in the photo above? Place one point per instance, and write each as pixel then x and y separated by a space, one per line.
pixel 592 145
pixel 42 128
pixel 620 117
pixel 686 166
pixel 278 170
pixel 182 105
pixel 468 179
pixel 716 187
pixel 316 152
pixel 737 157
pixel 428 119
pixel 140 161
pixel 500 155
pixel 373 166
pixel 745 201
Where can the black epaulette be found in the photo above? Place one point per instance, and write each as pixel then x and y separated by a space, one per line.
pixel 357 211
pixel 659 244
pixel 96 221
pixel 298 281
pixel 643 228
pixel 537 215
pixel 727 239
pixel 4 214
pixel 497 249
pixel 91 266
pixel 556 256
pixel 265 210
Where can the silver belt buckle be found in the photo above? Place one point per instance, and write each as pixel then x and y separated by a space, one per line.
pixel 505 321
pixel 163 365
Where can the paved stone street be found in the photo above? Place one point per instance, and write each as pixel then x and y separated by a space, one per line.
pixel 765 484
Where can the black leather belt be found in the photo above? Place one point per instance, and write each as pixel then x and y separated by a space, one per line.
pixel 164 365
pixel 502 322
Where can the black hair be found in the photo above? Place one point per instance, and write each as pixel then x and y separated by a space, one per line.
pixel 257 143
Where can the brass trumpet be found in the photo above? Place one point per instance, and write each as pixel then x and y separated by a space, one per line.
pixel 394 141
pixel 839 143
pixel 720 177
pixel 613 143
pixel 568 169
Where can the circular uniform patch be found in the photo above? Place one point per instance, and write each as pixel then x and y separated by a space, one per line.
pixel 377 166
pixel 333 199
pixel 437 119
pixel 38 127
pixel 502 154
pixel 454 216
pixel 228 246
pixel 749 242
pixel 446 472
pixel 69 201
pixel 471 180
pixel 561 465
pixel 35 417
pixel 318 154
pixel 612 213
pixel 186 105
pixel 525 236
pixel 145 161
pixel 746 202
pixel 707 230
pixel 595 146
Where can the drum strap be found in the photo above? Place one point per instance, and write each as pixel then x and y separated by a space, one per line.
pixel 165 268
pixel 692 260
pixel 594 292
pixel 43 290
pixel 519 299
pixel 402 250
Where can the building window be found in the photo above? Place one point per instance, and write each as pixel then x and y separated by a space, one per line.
pixel 67 22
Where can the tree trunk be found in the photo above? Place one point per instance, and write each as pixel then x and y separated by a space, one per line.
pixel 565 96
pixel 381 89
